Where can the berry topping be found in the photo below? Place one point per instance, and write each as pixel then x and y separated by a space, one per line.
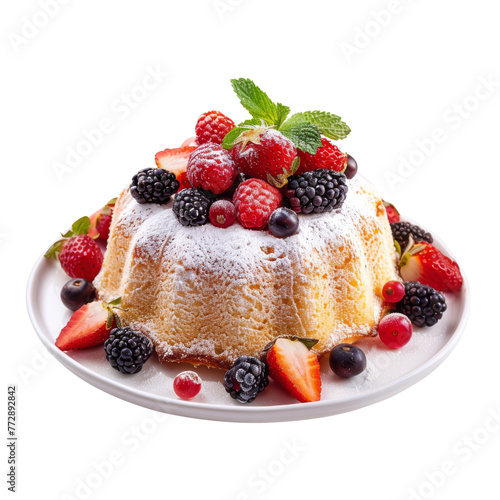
pixel 174 160
pixel 187 385
pixel 222 213
pixel 78 253
pixel 393 291
pixel 76 293
pixel 246 379
pixel 395 330
pixel 183 181
pixel 424 263
pixel 283 222
pixel 392 213
pixel 401 232
pixel 255 200
pixel 266 154
pixel 127 350
pixel 295 367
pixel 212 126
pixel 212 168
pixel 352 167
pixel 317 191
pixel 347 360
pixel 190 141
pixel 328 157
pixel 191 207
pixel 103 220
pixel 153 185
pixel 89 326
pixel 423 305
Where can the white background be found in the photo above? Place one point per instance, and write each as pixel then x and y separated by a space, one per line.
pixel 418 70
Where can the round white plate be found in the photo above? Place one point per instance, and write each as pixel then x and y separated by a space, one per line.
pixel 388 371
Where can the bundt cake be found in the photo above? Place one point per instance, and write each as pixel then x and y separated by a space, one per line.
pixel 208 295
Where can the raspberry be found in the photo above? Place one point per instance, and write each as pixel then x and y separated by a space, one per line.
pixel 266 154
pixel 212 126
pixel 327 156
pixel 222 213
pixel 255 200
pixel 212 168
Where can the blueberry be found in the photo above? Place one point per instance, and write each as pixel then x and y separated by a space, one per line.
pixel 352 167
pixel 347 360
pixel 283 222
pixel 76 293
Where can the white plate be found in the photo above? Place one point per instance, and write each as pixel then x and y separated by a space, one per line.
pixel 388 371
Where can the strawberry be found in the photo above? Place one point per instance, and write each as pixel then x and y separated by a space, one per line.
pixel 212 126
pixel 174 160
pixel 295 367
pixel 392 213
pixel 426 264
pixel 183 181
pixel 78 253
pixel 265 153
pixel 328 156
pixel 190 141
pixel 89 326
pixel 103 221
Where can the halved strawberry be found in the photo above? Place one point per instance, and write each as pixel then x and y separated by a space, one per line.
pixel 89 326
pixel 392 213
pixel 295 367
pixel 424 263
pixel 174 160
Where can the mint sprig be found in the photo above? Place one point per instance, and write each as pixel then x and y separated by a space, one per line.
pixel 303 129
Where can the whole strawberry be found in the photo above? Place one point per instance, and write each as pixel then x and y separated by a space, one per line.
pixel 426 264
pixel 212 168
pixel 103 220
pixel 255 200
pixel 212 126
pixel 78 253
pixel 328 156
pixel 392 213
pixel 265 153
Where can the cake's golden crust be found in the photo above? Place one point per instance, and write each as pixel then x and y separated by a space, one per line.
pixel 207 295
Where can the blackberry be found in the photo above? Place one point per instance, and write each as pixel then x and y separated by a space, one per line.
pixel 423 305
pixel 401 232
pixel 317 191
pixel 246 379
pixel 127 350
pixel 191 207
pixel 153 185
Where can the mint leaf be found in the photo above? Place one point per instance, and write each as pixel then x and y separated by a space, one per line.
pixel 235 132
pixel 330 125
pixel 304 135
pixel 81 226
pixel 258 103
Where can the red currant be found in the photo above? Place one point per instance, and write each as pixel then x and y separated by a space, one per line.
pixel 222 213
pixel 187 385
pixel 395 330
pixel 393 291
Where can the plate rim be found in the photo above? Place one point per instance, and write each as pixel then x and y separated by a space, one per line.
pixel 248 413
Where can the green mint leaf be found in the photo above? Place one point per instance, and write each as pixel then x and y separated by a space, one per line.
pixel 282 112
pixel 330 125
pixel 304 135
pixel 235 132
pixel 256 101
pixel 81 226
